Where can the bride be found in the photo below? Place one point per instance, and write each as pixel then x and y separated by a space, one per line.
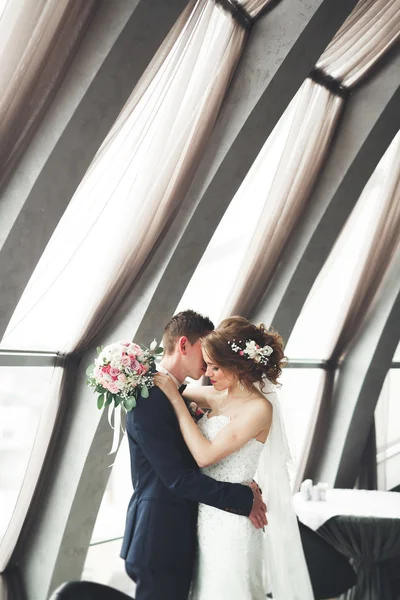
pixel 240 438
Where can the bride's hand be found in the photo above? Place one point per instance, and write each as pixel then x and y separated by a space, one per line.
pixel 166 385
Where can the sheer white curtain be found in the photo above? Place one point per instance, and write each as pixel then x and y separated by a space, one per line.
pixel 371 29
pixel 383 245
pixel 254 7
pixel 134 187
pixel 38 39
pixel 371 224
pixel 126 201
pixel 378 255
pixel 387 422
pixel 45 432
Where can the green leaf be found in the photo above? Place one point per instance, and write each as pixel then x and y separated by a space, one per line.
pixel 98 349
pixel 109 400
pixel 144 391
pixel 159 350
pixel 117 399
pixel 89 370
pixel 100 401
pixel 130 403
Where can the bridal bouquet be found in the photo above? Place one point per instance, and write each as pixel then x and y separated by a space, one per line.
pixel 121 372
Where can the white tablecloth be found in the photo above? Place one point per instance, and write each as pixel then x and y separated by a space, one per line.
pixel 359 503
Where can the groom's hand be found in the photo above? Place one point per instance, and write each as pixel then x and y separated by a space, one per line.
pixel 258 513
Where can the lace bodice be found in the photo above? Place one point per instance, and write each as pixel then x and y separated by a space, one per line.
pixel 235 560
pixel 230 553
pixel 239 467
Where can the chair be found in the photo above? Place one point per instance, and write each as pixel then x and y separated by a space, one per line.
pixel 330 572
pixel 87 590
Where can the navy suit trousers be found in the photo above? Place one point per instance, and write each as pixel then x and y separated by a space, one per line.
pixel 153 584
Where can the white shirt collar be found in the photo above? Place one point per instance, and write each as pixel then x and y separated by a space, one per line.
pixel 174 379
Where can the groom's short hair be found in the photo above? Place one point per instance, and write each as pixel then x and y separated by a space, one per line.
pixel 187 323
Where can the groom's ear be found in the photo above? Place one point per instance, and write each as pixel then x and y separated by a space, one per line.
pixel 182 344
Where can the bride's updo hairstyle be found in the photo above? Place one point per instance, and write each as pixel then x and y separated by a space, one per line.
pixel 238 330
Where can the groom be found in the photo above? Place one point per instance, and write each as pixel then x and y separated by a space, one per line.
pixel 160 541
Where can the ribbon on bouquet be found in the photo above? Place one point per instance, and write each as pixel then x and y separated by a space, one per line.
pixel 116 412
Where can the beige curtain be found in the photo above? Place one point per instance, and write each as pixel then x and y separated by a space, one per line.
pixel 254 7
pixel 381 249
pixel 38 39
pixel 371 29
pixel 125 203
pixel 383 245
pixel 47 433
pixel 134 187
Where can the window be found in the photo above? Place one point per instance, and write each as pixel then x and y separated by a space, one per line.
pixel 2 6
pixel 387 419
pixel 299 394
pixel 102 561
pixel 103 565
pixel 23 393
pixel 211 283
pixel 316 329
pixel 110 523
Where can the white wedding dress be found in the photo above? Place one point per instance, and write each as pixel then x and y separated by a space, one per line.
pixel 236 561
pixel 230 550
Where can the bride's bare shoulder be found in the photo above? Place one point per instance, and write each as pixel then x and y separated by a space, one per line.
pixel 261 405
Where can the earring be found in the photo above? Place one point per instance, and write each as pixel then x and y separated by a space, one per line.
pixel 240 385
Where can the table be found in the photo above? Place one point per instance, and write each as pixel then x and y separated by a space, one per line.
pixel 365 526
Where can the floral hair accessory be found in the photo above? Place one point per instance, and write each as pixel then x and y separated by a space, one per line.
pixel 252 351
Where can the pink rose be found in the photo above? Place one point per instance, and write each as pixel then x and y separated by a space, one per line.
pixel 114 372
pixel 122 377
pixel 113 387
pixel 135 365
pixel 241 353
pixel 126 361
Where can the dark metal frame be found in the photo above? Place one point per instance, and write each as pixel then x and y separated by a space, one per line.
pixel 333 85
pixel 40 358
pixel 237 11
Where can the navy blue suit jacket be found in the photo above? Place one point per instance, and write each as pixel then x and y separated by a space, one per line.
pixel 161 521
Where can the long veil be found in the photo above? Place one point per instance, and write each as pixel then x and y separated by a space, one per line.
pixel 285 566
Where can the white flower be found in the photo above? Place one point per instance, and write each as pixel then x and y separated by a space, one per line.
pixel 251 349
pixel 153 345
pixel 267 350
